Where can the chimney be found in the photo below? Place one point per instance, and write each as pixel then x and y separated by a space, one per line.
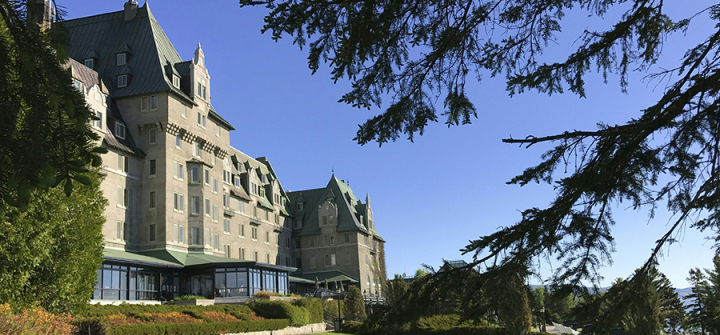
pixel 39 12
pixel 131 8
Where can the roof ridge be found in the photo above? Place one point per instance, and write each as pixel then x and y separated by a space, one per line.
pixel 91 16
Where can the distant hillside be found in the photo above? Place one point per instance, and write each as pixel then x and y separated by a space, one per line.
pixel 682 292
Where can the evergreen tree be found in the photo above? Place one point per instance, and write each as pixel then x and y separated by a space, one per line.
pixel 45 136
pixel 510 300
pixel 712 299
pixel 51 248
pixel 417 51
pixel 697 313
pixel 355 305
pixel 672 311
pixel 396 289
pixel 643 313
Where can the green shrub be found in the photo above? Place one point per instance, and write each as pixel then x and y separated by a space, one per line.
pixel 92 326
pixel 132 310
pixel 330 307
pixel 281 310
pixel 351 327
pixel 189 297
pixel 314 307
pixel 200 328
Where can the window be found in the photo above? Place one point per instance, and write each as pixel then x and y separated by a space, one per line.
pixel 207 207
pixel 78 85
pixel 123 163
pixel 255 256
pixel 195 238
pixel 215 214
pixel 176 81
pixel 183 111
pixel 153 201
pixel 332 240
pixel 267 258
pixel 215 185
pixel 267 237
pixel 197 149
pixel 179 174
pixel 287 243
pixel 120 130
pixel 153 167
pixel 226 201
pixel 267 215
pixel 241 253
pixel 226 176
pixel 89 62
pixel 237 181
pixel 212 158
pixel 195 174
pixel 217 130
pixel 313 263
pixel 242 206
pixel 324 220
pixel 152 135
pixel 99 122
pixel 121 231
pixel 216 240
pixel 367 259
pixel 195 205
pixel 254 211
pixel 348 259
pixel 181 234
pixel 241 229
pixel 121 59
pixel 151 233
pixel 144 104
pixel 347 238
pixel 178 142
pixel 300 206
pixel 332 260
pixel 178 202
pixel 254 233
pixel 226 226
pixel 226 248
pixel 208 237
pixel 122 80
pixel 154 102
pixel 124 196
pixel 207 177
pixel 201 119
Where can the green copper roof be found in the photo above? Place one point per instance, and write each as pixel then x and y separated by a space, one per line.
pixel 148 48
pixel 178 259
pixel 262 201
pixel 349 218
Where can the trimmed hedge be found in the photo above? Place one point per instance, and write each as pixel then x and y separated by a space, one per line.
pixel 200 328
pixel 132 310
pixel 314 307
pixel 351 327
pixel 279 309
pixel 458 331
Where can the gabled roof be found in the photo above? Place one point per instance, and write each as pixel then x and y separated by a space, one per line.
pixel 330 276
pixel 347 203
pixel 142 37
pixel 85 74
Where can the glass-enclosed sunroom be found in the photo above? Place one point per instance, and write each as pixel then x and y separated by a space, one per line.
pixel 165 274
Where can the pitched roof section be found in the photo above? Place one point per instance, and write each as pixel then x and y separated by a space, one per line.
pixel 347 203
pixel 85 74
pixel 149 50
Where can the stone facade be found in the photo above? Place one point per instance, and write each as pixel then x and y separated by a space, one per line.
pixel 172 178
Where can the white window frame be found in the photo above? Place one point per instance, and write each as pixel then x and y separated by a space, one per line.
pixel 207 207
pixel 226 226
pixel 123 163
pixel 89 61
pixel 215 213
pixel 178 202
pixel 118 127
pixel 178 142
pixel 217 130
pixel 183 111
pixel 121 231
pixel 195 175
pixel 176 81
pixel 122 80
pixel 152 133
pixel 215 185
pixel 181 234
pixel 98 124
pixel 144 104
pixel 121 59
pixel 241 230
pixel 195 205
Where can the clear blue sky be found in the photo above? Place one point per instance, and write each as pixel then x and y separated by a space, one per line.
pixel 432 196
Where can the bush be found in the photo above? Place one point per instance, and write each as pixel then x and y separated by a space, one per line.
pixel 90 327
pixel 331 310
pixel 33 321
pixel 189 297
pixel 314 307
pixel 218 317
pixel 281 310
pixel 351 327
pixel 135 310
pixel 200 328
pixel 263 295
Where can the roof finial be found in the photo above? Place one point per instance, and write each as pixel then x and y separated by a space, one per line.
pixel 333 172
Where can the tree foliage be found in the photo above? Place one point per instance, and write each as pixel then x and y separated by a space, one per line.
pixel 355 305
pixel 704 301
pixel 50 249
pixel 418 51
pixel 45 138
pixel 396 289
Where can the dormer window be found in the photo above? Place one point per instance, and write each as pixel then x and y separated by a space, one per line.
pixel 122 80
pixel 77 85
pixel 300 206
pixel 201 89
pixel 176 81
pixel 121 59
pixel 264 180
pixel 89 63
pixel 120 130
